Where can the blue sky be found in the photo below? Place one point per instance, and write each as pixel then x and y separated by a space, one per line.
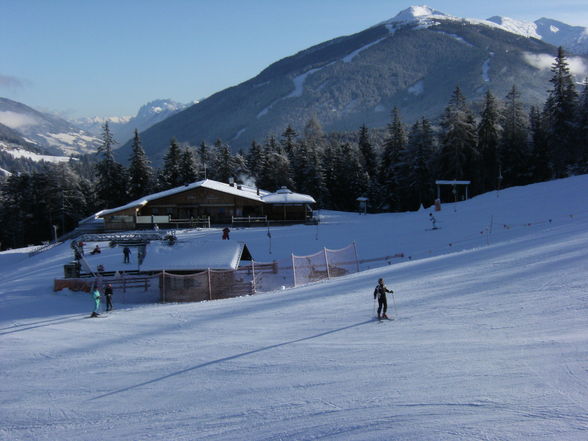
pixel 109 57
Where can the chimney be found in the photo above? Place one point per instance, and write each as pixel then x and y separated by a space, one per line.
pixel 232 182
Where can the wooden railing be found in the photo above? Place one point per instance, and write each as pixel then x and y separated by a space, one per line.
pixel 249 219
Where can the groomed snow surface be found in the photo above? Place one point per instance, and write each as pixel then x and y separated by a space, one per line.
pixel 490 340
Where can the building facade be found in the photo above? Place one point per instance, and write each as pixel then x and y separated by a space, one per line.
pixel 209 202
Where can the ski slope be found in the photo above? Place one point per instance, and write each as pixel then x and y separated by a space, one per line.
pixel 490 340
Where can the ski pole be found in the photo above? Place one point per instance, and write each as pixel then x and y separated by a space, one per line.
pixel 394 303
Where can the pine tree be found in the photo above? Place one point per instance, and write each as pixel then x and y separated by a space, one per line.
pixel 206 157
pixel 111 185
pixel 368 155
pixel 223 166
pixel 418 156
pixel 394 146
pixel 308 172
pixel 188 167
pixel 540 159
pixel 255 160
pixel 289 140
pixel 170 174
pixel 275 170
pixel 582 138
pixel 313 130
pixel 514 149
pixel 458 155
pixel 240 168
pixel 560 115
pixel 140 171
pixel 349 179
pixel 489 132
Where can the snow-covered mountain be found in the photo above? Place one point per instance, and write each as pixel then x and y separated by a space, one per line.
pixel 124 127
pixel 574 39
pixel 50 133
pixel 489 341
pixel 412 61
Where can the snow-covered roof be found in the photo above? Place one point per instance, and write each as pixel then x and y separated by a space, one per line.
pixel 243 191
pixel 193 255
pixel 285 196
pixel 182 256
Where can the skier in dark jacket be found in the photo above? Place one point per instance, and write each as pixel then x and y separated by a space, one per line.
pixel 108 294
pixel 380 294
pixel 127 254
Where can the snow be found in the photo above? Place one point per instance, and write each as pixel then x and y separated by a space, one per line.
pixel 524 28
pixel 486 69
pixel 241 190
pixel 16 120
pixel 285 196
pixel 239 133
pixel 298 81
pixel 417 88
pixel 21 153
pixel 490 341
pixel 192 252
pixel 355 53
pixel 458 38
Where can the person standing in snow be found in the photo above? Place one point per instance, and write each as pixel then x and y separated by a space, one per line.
pixel 380 294
pixel 433 221
pixel 96 297
pixel 108 294
pixel 226 232
pixel 127 253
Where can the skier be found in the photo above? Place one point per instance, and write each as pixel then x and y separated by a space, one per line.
pixel 96 297
pixel 96 250
pixel 226 232
pixel 433 221
pixel 127 253
pixel 108 294
pixel 380 294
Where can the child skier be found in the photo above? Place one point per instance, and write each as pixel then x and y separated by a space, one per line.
pixel 96 297
pixel 380 294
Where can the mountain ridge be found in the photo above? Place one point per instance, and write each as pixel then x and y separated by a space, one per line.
pixel 412 61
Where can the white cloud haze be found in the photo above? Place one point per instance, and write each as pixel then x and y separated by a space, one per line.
pixel 544 62
pixel 16 120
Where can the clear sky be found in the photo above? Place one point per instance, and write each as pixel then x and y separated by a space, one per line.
pixel 109 57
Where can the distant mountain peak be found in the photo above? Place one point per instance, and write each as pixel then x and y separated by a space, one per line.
pixel 573 38
pixel 524 28
pixel 416 13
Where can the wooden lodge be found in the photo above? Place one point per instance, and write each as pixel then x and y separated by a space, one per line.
pixel 209 202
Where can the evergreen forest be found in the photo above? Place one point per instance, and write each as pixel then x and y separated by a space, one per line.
pixel 504 144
